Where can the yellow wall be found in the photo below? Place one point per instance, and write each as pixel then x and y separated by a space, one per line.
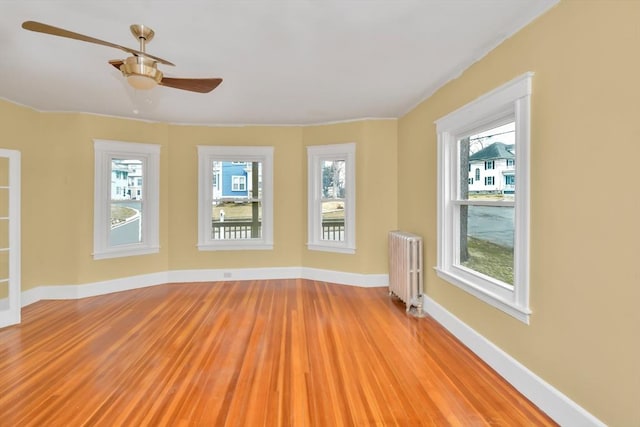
pixel 585 285
pixel 583 336
pixel 376 198
pixel 57 201
pixel 48 237
pixel 183 187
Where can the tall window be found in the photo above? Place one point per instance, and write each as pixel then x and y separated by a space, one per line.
pixel 235 193
pixel 483 232
pixel 331 194
pixel 126 199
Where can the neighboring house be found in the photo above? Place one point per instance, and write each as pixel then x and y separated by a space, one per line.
pixel 126 179
pixel 492 169
pixel 232 180
pixel 134 183
pixel 119 180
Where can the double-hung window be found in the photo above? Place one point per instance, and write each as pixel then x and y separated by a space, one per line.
pixel 331 198
pixel 235 194
pixel 126 199
pixel 483 231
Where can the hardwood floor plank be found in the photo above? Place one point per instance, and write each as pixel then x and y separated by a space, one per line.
pixel 252 353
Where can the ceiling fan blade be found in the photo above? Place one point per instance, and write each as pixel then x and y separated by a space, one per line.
pixel 194 85
pixel 39 27
pixel 116 63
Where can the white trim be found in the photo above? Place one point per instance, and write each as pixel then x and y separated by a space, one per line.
pixel 55 292
pixel 206 155
pixel 315 155
pixel 149 154
pixel 554 403
pixel 509 100
pixel 10 313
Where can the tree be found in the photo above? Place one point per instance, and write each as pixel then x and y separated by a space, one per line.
pixel 464 194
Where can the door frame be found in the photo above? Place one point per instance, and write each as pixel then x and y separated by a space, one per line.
pixel 10 313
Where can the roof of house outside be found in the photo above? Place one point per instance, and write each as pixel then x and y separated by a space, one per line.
pixel 497 150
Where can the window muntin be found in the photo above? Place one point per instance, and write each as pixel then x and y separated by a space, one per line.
pixel 126 199
pixel 235 198
pixel 483 230
pixel 331 222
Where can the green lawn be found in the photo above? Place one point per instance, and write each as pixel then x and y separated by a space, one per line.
pixel 121 213
pixel 490 259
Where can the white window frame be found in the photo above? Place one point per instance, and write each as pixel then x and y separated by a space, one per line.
pixel 149 154
pixel 316 155
pixel 207 154
pixel 513 99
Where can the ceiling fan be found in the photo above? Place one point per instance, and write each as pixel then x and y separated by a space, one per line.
pixel 140 69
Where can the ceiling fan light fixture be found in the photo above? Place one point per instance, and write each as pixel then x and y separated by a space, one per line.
pixel 141 82
pixel 141 73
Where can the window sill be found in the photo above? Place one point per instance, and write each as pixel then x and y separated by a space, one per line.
pixel 235 246
pixel 126 252
pixel 330 248
pixel 521 313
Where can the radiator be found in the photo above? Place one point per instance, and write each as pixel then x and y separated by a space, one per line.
pixel 405 269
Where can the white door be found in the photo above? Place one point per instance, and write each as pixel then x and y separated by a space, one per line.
pixel 9 237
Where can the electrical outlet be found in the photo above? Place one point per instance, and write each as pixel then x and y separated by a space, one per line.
pixel 227 274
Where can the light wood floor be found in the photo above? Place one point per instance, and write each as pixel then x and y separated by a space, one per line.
pixel 254 353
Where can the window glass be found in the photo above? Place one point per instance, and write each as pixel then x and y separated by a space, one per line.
pixel 235 198
pixel 333 194
pixel 126 202
pixel 486 231
pixel 331 221
pixel 483 197
pixel 237 207
pixel 126 199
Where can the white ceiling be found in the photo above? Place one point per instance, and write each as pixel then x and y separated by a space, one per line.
pixel 283 62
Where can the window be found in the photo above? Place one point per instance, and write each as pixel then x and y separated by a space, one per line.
pixel 510 180
pixel 238 183
pixel 475 225
pixel 235 211
pixel 489 165
pixel 511 162
pixel 488 180
pixel 477 174
pixel 471 181
pixel 126 216
pixel 331 198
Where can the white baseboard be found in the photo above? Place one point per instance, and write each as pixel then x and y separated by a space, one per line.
pixel 342 278
pixel 33 295
pixel 555 404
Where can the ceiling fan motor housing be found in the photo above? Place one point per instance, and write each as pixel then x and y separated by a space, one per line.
pixel 140 68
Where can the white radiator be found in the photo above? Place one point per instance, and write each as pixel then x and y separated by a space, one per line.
pixel 405 269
